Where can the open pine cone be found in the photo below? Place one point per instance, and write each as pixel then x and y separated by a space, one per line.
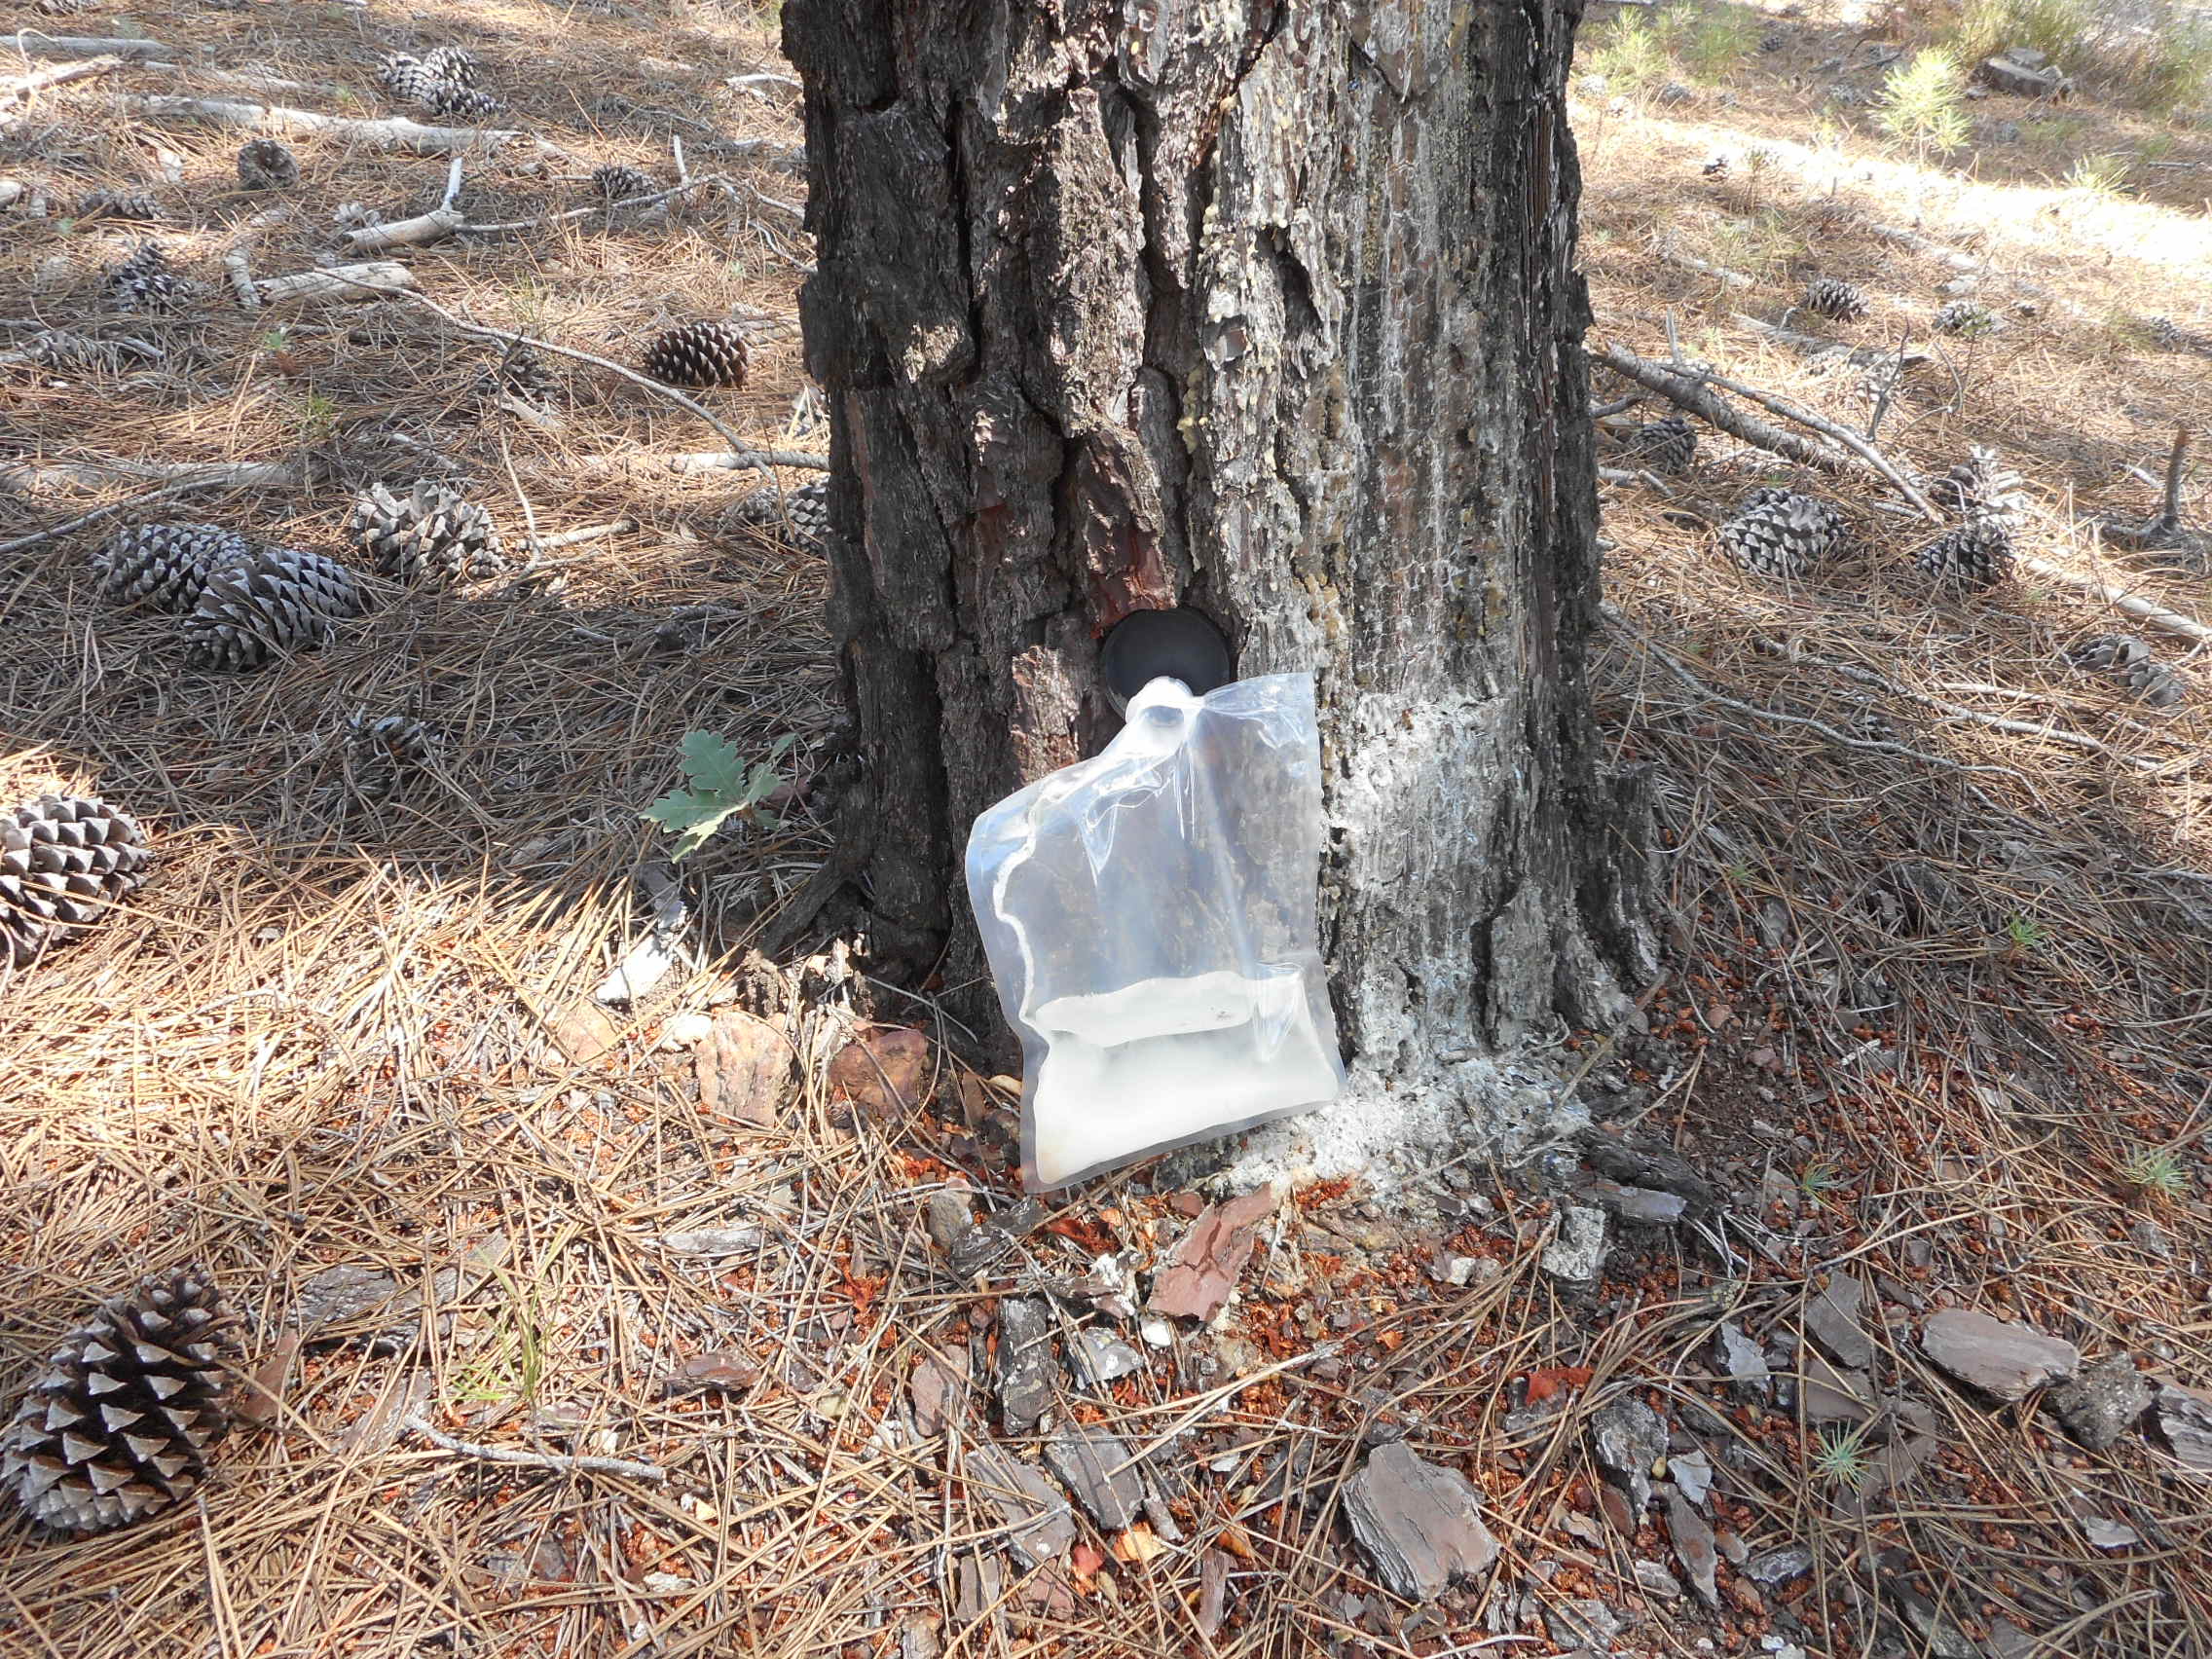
pixel 118 1428
pixel 65 860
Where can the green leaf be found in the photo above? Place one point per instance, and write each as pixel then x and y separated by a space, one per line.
pixel 713 764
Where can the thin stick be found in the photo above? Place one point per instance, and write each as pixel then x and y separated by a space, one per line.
pixel 590 532
pixel 543 220
pixel 514 1455
pixel 34 43
pixel 55 74
pixel 1874 745
pixel 2142 610
pixel 1995 722
pixel 2156 532
pixel 1674 388
pixel 123 506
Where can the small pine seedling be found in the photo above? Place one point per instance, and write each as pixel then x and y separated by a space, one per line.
pixel 719 787
pixel 2154 1171
pixel 1818 1178
pixel 1839 1458
pixel 2024 935
pixel 1922 103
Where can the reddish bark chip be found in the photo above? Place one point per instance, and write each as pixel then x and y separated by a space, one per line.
pixel 742 1066
pixel 884 1072
pixel 1202 1269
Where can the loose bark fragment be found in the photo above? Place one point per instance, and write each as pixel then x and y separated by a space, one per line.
pixel 1419 1523
pixel 1202 1269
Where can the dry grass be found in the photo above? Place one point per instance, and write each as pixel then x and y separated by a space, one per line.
pixel 1948 1000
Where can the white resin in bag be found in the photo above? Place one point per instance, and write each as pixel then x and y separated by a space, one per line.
pixel 1150 921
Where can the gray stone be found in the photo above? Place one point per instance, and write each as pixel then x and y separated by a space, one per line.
pixel 1039 1522
pixel 1097 1468
pixel 1097 1358
pixel 1741 1362
pixel 947 1220
pixel 1692 1473
pixel 2003 1360
pixel 1633 1164
pixel 2019 81
pixel 2104 1403
pixel 1584 1623
pixel 338 1294
pixel 2026 57
pixel 1694 1546
pixel 1832 1318
pixel 1836 1396
pixel 1418 1523
pixel 1576 1255
pixel 1628 1439
pixel 1656 1581
pixel 1770 1568
pixel 2185 1419
pixel 1644 1207
pixel 1025 1372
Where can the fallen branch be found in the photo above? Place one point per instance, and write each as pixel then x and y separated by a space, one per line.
pixel 379 276
pixel 568 214
pixel 1687 390
pixel 392 132
pixel 238 270
pixel 419 231
pixel 2142 610
pixel 514 1455
pixel 1820 345
pixel 1959 711
pixel 32 44
pixel 31 480
pixel 590 532
pixel 128 505
pixel 1878 745
pixel 744 456
pixel 2164 529
pixel 38 80
pixel 747 457
pixel 1720 274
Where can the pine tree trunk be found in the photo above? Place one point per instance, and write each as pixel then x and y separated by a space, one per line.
pixel 1266 309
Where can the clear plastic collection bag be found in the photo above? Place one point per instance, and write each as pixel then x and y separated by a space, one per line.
pixel 1149 915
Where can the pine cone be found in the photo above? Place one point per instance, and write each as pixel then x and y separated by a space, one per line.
pixel 1978 554
pixel 146 281
pixel 382 755
pixel 1964 316
pixel 2128 660
pixel 56 349
pixel 406 77
pixel 457 102
pixel 700 354
pixel 140 204
pixel 119 1426
pixel 430 530
pixel 1780 534
pixel 798 518
pixel 279 599
pixel 165 565
pixel 452 64
pixel 1981 486
pixel 266 164
pixel 522 374
pixel 1831 296
pixel 1670 444
pixel 619 183
pixel 64 861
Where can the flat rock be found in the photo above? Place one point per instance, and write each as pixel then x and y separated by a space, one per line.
pixel 1586 1623
pixel 1036 1514
pixel 1836 1396
pixel 1097 1358
pixel 338 1294
pixel 1644 1207
pixel 1420 1524
pixel 1636 1165
pixel 2003 1360
pixel 2103 1403
pixel 1740 1360
pixel 1832 1318
pixel 2019 81
pixel 1693 1546
pixel 947 1219
pixel 1095 1465
pixel 2185 1420
pixel 1692 1473
pixel 1024 1374
pixel 939 1390
pixel 1770 1568
pixel 1577 1254
pixel 1628 1439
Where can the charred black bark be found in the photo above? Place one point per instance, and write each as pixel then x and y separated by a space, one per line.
pixel 1265 309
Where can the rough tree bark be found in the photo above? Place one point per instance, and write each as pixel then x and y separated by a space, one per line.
pixel 1263 306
